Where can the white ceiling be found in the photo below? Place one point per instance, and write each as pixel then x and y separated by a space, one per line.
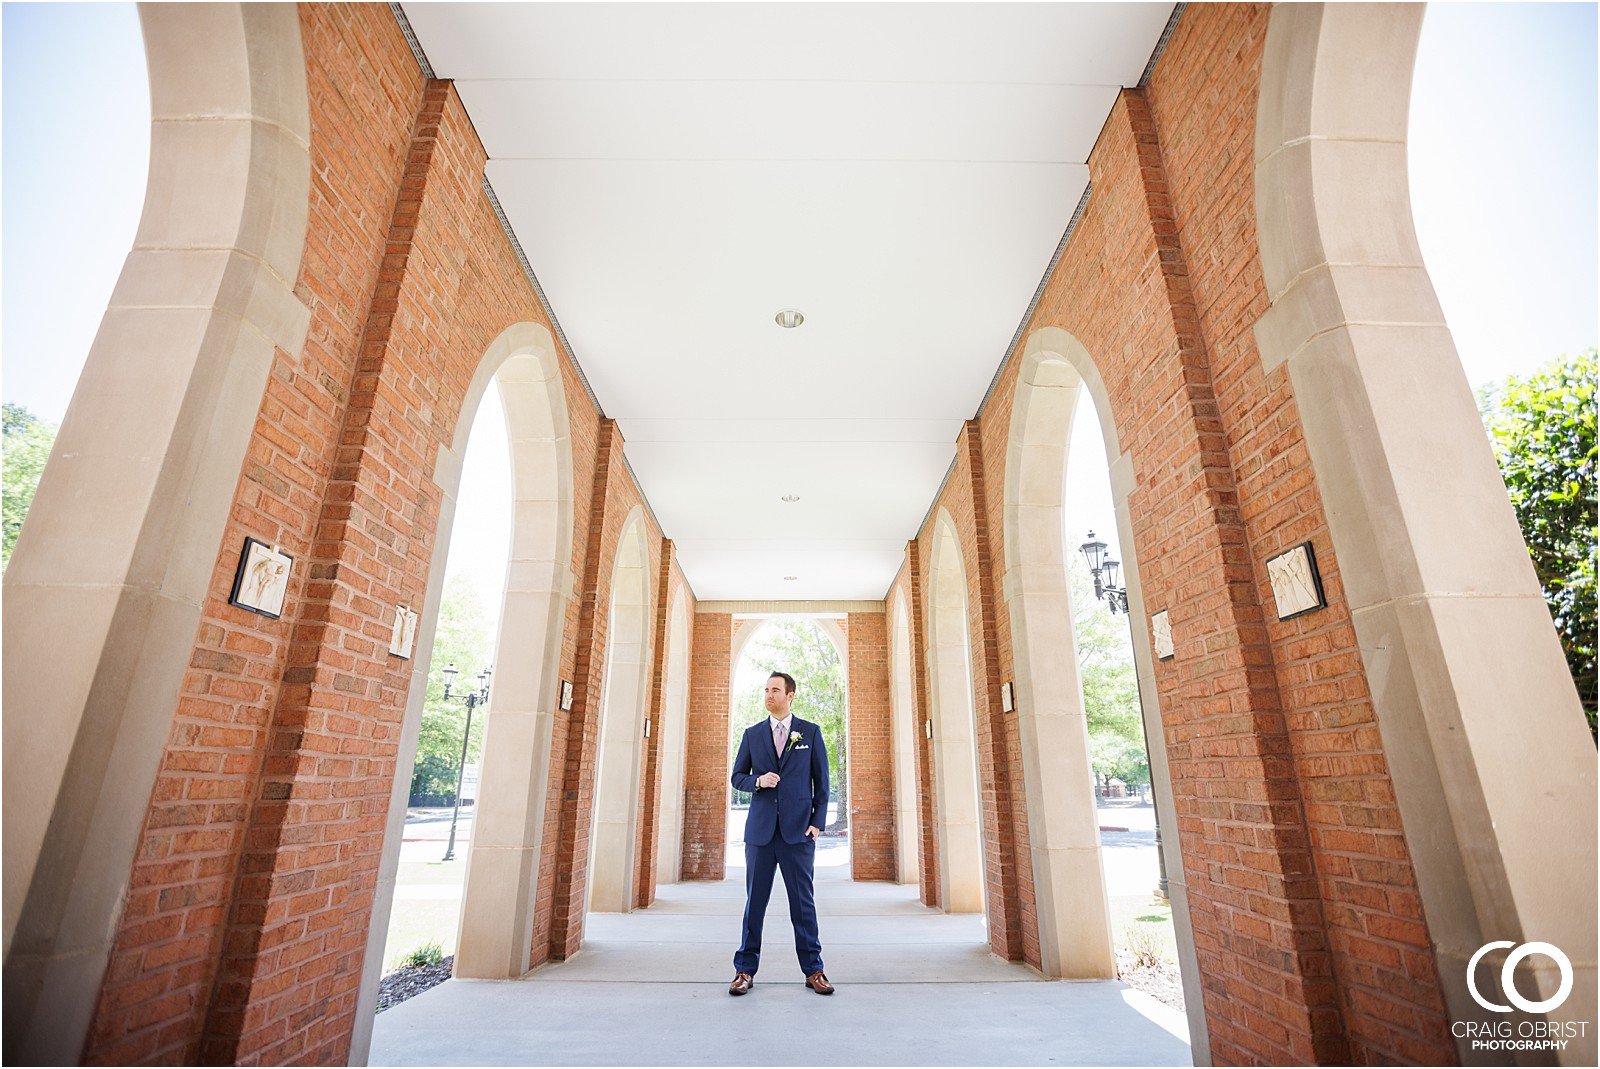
pixel 677 173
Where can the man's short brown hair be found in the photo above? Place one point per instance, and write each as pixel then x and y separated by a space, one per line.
pixel 788 680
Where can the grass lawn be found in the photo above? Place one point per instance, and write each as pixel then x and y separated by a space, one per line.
pixel 413 872
pixel 1142 914
pixel 414 922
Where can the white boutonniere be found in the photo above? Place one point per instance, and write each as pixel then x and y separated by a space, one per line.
pixel 794 737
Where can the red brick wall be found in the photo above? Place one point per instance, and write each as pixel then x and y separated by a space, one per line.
pixel 1382 963
pixel 909 583
pixel 706 768
pixel 1309 932
pixel 648 815
pixel 1008 870
pixel 559 912
pixel 164 964
pixel 250 898
pixel 871 761
pixel 1007 849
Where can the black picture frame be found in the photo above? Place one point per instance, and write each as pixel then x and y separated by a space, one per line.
pixel 235 596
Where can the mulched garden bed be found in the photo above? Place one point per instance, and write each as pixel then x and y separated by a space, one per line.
pixel 1161 982
pixel 403 983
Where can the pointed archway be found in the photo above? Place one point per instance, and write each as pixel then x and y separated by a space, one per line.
pixel 903 728
pixel 1057 375
pixel 623 704
pixel 674 752
pixel 954 723
pixel 497 909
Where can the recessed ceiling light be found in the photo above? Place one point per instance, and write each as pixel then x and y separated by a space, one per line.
pixel 789 318
pixel 790 578
pixel 791 497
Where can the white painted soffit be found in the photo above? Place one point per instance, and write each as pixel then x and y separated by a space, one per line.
pixel 677 173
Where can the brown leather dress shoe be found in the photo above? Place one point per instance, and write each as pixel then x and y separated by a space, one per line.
pixel 819 983
pixel 741 983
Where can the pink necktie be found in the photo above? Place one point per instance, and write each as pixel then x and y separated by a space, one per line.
pixel 777 738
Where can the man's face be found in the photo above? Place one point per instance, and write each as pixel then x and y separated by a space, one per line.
pixel 778 699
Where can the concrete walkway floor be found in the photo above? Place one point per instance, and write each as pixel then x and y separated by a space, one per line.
pixel 915 987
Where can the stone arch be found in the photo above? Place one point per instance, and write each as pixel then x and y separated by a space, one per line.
pixel 1074 920
pixel 624 704
pixel 902 739
pixel 831 628
pixel 957 808
pixel 674 740
pixel 497 907
pixel 113 566
pixel 841 648
pixel 841 644
pixel 1453 631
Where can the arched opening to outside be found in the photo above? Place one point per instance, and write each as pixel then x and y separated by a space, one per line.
pixel 1453 631
pixel 446 773
pixel 618 758
pixel 1084 719
pixel 674 753
pixel 958 814
pixel 813 651
pixel 502 840
pixel 1137 889
pixel 902 731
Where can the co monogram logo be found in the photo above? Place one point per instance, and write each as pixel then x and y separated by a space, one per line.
pixel 1508 981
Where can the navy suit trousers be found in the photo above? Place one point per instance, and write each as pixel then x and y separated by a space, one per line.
pixel 796 861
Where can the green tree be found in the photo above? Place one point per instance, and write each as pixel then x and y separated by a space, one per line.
pixel 1543 428
pixel 27 446
pixel 802 649
pixel 1110 685
pixel 462 638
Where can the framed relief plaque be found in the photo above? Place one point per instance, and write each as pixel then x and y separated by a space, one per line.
pixel 262 580
pixel 405 633
pixel 1161 634
pixel 1296 585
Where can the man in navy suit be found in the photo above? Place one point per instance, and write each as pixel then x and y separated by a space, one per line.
pixel 783 763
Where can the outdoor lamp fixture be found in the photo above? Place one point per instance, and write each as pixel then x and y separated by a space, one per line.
pixel 472 699
pixel 789 318
pixel 1104 569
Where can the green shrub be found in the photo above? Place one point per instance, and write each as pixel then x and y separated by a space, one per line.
pixel 430 953
pixel 1143 944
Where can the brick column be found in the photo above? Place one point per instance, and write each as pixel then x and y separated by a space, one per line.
pixel 871 763
pixel 291 960
pixel 705 808
pixel 649 818
pixel 1260 935
pixel 928 854
pixel 1007 866
pixel 577 731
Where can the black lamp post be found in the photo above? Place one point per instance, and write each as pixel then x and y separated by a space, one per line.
pixel 1104 569
pixel 472 699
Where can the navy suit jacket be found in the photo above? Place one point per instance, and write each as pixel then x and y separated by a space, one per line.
pixel 801 797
